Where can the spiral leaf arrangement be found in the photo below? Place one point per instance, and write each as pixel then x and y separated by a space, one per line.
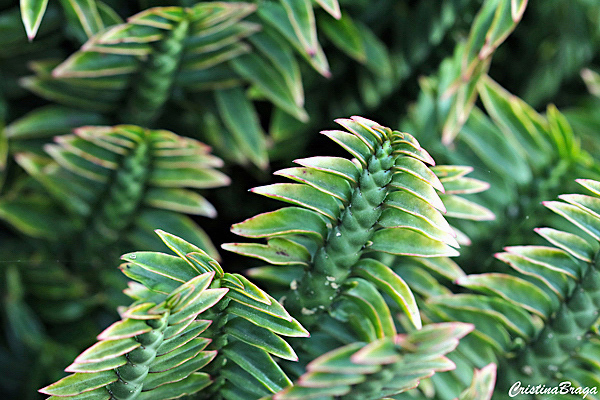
pixel 538 320
pixel 191 327
pixel 384 200
pixel 135 177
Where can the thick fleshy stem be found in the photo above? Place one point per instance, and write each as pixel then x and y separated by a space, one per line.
pixel 152 86
pixel 132 375
pixel 122 198
pixel 333 262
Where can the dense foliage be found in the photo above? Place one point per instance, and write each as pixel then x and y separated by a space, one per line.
pixel 448 250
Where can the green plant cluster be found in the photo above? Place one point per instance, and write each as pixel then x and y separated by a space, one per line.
pixel 445 251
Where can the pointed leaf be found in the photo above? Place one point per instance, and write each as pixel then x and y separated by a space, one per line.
pixel 419 170
pixel 572 244
pixel 581 218
pixel 124 329
pixel 241 119
pixel 278 325
pixel 79 383
pixel 372 306
pixel 192 384
pixel 183 354
pixel 261 338
pixel 513 289
pixel 344 33
pixel 285 221
pixel 259 364
pixel 351 143
pixel 278 251
pixel 326 182
pixel 403 241
pixel 302 195
pixel 334 165
pixel 389 282
pixel 32 12
pixel 419 188
pixel 331 6
pixel 302 17
pixel 458 207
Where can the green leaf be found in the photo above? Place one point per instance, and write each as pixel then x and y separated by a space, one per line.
pixel 465 186
pixel 372 305
pixel 572 244
pixel 395 218
pixel 513 289
pixel 278 52
pixel 551 258
pixel 270 84
pixel 51 121
pixel 107 349
pixel 190 177
pixel 591 185
pixel 180 334
pixel 192 384
pixel 285 221
pixel 351 143
pixel 183 354
pixel 242 121
pixel 259 364
pixel 482 385
pixel 207 299
pixel 257 317
pixel 151 219
pixel 278 251
pixel 261 338
pixel 275 15
pixel 345 35
pixel 302 17
pixel 411 203
pixel 86 13
pixel 449 173
pixel 326 182
pixel 389 282
pixel 512 317
pixel 419 188
pixel 334 165
pixel 179 200
pixel 166 265
pixel 182 371
pixel 32 12
pixel 554 280
pixel 581 218
pixel 458 207
pixel 404 241
pixel 78 383
pixel 586 203
pixel 126 328
pixel 419 170
pixel 302 195
pixel 331 6
pixel 339 361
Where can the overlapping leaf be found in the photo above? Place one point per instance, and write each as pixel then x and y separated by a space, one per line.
pixel 378 369
pixel 385 200
pixel 159 348
pixel 113 179
pixel 548 299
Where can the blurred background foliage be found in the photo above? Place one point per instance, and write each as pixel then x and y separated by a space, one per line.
pixel 117 118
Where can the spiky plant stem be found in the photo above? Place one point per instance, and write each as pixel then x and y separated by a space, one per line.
pixel 333 262
pixel 152 86
pixel 132 375
pixel 122 198
pixel 559 340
